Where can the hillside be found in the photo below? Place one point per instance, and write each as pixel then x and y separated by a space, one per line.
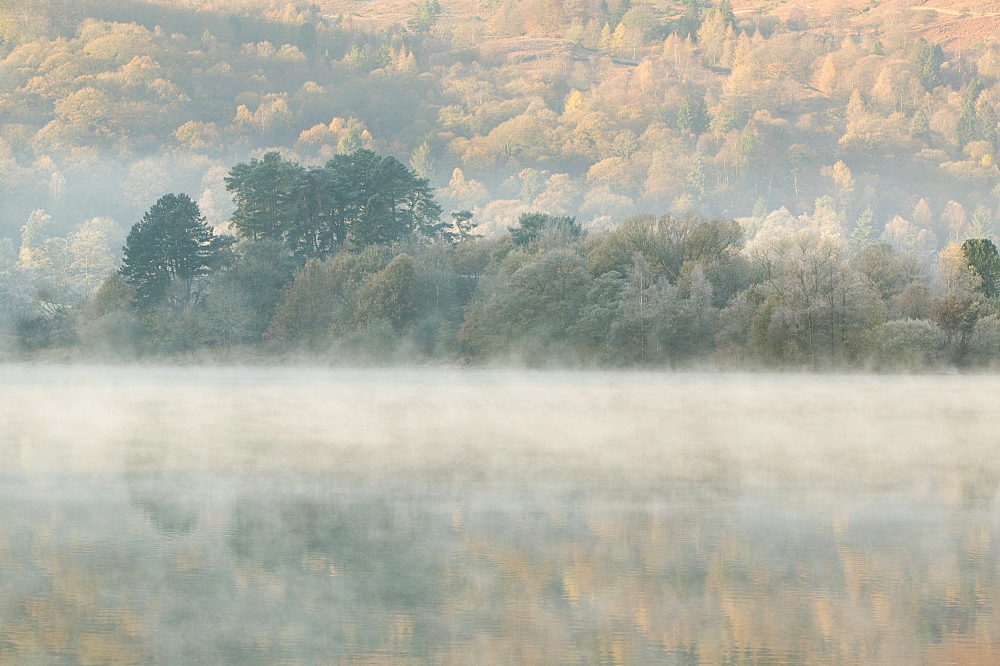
pixel 871 125
pixel 957 24
pixel 586 94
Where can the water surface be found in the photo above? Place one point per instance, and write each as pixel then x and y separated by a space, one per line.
pixel 459 516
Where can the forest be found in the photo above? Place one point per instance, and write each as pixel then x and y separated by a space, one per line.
pixel 684 185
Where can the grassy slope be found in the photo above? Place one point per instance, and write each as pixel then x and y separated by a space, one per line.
pixel 956 24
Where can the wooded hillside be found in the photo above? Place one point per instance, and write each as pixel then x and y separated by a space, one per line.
pixel 869 122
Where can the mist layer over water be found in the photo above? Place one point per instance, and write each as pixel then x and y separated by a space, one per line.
pixel 234 515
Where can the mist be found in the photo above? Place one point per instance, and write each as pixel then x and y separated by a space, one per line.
pixel 518 332
pixel 298 513
pixel 851 154
pixel 466 425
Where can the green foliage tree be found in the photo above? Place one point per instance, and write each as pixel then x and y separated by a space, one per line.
pixel 986 123
pixel 357 199
pixel 690 22
pixel 725 10
pixel 904 344
pixel 171 244
pixel 385 201
pixel 984 343
pixel 241 300
pixel 692 114
pixel 391 295
pixel 928 59
pixel 270 196
pixel 461 227
pixel 659 322
pixel 321 302
pixel 530 226
pixel 666 244
pixel 696 177
pixel 967 127
pixel 597 318
pixel 920 126
pixel 982 256
pixel 107 324
pixel 529 311
pixel 425 16
pixel 305 313
pixel 882 268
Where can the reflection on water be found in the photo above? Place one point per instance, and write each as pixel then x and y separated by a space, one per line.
pixel 373 517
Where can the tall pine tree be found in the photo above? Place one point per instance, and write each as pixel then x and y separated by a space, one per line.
pixel 171 244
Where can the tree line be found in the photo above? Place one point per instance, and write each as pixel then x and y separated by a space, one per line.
pixel 118 102
pixel 381 277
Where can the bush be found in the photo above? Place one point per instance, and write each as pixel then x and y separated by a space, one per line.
pixel 984 343
pixel 112 335
pixel 906 344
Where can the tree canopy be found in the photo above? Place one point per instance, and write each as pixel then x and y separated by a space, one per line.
pixel 982 256
pixel 352 201
pixel 171 244
pixel 530 225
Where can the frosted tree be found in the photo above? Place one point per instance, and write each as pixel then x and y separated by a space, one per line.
pixel 422 162
pixel 861 236
pixel 92 253
pixel 33 252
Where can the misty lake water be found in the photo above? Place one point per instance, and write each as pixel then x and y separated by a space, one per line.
pixel 237 515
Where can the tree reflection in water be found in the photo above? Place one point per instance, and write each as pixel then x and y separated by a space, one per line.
pixel 219 569
pixel 255 515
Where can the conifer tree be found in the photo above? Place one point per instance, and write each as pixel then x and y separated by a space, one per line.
pixel 692 114
pixel 861 237
pixel 170 244
pixel 928 58
pixel 982 256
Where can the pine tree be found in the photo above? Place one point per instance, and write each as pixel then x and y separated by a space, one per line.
pixel 920 127
pixel 982 256
pixel 356 199
pixel 170 244
pixel 425 16
pixel 463 225
pixel 692 114
pixel 861 237
pixel 696 177
pixel 928 58
pixel 530 226
pixel 967 127
pixel 725 10
pixel 421 161
pixel 986 122
pixel 690 22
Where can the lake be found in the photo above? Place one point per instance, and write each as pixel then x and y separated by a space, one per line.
pixel 292 515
